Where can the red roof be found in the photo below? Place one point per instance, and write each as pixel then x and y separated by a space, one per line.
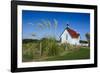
pixel 73 33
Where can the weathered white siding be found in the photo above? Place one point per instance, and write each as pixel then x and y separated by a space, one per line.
pixel 69 39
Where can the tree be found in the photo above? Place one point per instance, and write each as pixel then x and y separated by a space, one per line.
pixel 88 38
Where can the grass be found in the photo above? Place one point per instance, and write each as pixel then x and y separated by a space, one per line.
pixel 82 53
pixel 29 51
pixel 51 51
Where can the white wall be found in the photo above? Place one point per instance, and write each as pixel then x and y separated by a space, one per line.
pixel 63 37
pixel 5 37
pixel 66 37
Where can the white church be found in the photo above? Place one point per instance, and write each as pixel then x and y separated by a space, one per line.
pixel 70 36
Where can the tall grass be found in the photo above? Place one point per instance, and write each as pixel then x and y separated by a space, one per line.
pixel 29 51
pixel 49 47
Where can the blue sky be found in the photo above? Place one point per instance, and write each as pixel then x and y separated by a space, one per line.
pixel 79 22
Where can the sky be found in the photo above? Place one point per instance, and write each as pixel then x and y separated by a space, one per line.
pixel 33 23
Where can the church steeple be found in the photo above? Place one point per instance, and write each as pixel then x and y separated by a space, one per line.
pixel 67 25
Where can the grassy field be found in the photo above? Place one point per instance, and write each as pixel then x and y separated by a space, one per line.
pixel 82 53
pixel 32 54
pixel 50 50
